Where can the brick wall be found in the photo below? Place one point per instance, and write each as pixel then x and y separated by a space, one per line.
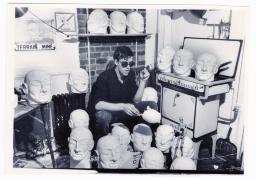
pixel 102 48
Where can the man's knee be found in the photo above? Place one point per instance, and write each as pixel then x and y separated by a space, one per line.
pixel 103 117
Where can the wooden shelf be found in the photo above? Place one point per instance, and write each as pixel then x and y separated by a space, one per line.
pixel 114 35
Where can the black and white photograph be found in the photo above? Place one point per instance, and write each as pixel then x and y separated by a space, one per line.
pixel 127 89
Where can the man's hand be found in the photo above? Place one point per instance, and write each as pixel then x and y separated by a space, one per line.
pixel 130 109
pixel 144 74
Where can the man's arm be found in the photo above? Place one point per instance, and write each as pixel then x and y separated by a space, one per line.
pixel 144 75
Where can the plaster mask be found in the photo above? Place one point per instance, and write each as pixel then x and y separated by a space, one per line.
pixel 183 62
pixel 187 150
pixel 152 158
pixel 80 144
pixel 151 115
pixel 78 81
pixel 78 118
pixel 38 84
pixel 141 137
pixel 164 137
pixel 98 22
pixel 123 134
pixel 117 22
pixel 183 163
pixel 149 94
pixel 164 59
pixel 206 67
pixel 109 150
pixel 135 23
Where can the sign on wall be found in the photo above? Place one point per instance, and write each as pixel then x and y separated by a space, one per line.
pixel 34 35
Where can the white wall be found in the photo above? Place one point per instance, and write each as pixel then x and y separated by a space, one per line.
pixel 58 62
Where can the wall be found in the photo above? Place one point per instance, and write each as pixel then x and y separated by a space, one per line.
pixel 58 62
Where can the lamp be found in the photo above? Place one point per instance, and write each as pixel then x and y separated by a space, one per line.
pixel 21 11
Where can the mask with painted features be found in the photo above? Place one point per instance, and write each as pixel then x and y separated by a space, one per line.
pixel 206 67
pixel 78 81
pixel 123 133
pixel 135 23
pixel 183 163
pixel 152 158
pixel 149 94
pixel 109 150
pixel 183 147
pixel 164 59
pixel 80 146
pixel 183 62
pixel 78 118
pixel 164 137
pixel 141 137
pixel 98 22
pixel 117 22
pixel 38 87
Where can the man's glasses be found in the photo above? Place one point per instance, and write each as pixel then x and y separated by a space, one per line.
pixel 124 64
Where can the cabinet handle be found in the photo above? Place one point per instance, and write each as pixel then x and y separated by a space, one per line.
pixel 174 99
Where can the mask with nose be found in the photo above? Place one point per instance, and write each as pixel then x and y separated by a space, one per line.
pixel 183 62
pixel 78 81
pixel 117 22
pixel 80 146
pixel 164 59
pixel 135 23
pixel 38 87
pixel 152 158
pixel 206 67
pixel 141 137
pixel 109 150
pixel 78 118
pixel 123 133
pixel 164 137
pixel 98 22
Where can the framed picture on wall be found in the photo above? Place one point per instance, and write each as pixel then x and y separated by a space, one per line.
pixel 65 22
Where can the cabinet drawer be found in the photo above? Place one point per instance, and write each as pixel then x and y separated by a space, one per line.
pixel 176 105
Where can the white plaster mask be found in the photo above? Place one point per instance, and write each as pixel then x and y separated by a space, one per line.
pixel 117 22
pixel 78 118
pixel 123 134
pixel 164 137
pixel 164 59
pixel 151 115
pixel 80 144
pixel 187 150
pixel 149 94
pixel 78 81
pixel 152 158
pixel 183 62
pixel 109 150
pixel 183 163
pixel 206 67
pixel 38 85
pixel 141 137
pixel 98 22
pixel 135 23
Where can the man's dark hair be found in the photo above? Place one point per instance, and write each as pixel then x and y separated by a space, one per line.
pixel 122 52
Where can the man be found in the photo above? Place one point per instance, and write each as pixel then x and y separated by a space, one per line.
pixel 115 94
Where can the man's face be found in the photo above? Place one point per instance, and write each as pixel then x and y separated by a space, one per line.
pixel 164 140
pixel 182 64
pixel 79 147
pixel 205 69
pixel 123 135
pixel 124 66
pixel 141 142
pixel 110 155
pixel 39 88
